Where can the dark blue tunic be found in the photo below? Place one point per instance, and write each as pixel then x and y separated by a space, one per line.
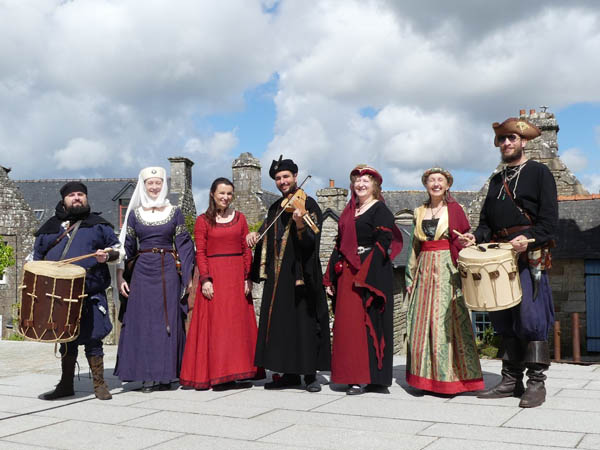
pixel 95 321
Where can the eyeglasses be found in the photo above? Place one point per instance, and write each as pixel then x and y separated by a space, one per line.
pixel 510 137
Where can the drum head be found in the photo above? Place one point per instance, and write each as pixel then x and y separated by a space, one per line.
pixel 54 269
pixel 475 253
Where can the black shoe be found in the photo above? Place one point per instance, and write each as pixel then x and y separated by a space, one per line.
pixel 315 386
pixel 377 388
pixel 164 386
pixel 355 389
pixel 285 381
pixel 231 385
pixel 147 388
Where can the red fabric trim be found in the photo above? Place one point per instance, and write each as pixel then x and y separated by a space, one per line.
pixel 215 381
pixel 457 220
pixel 361 277
pixel 384 228
pixel 378 346
pixel 432 246
pixel 444 387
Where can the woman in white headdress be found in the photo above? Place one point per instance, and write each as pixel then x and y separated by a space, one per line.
pixel 153 335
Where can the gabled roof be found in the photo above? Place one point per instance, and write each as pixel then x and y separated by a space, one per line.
pixel 578 228
pixel 399 200
pixel 267 198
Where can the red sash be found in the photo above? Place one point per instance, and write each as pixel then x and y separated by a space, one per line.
pixel 432 246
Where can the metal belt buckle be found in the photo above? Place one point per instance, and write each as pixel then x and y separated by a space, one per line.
pixel 360 249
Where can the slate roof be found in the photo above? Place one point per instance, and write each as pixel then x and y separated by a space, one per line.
pixel 267 198
pixel 578 229
pixel 399 200
pixel 103 195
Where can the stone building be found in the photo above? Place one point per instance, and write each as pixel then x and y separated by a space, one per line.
pixel 26 204
pixel 17 225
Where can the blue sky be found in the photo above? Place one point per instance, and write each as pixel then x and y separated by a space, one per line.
pixel 97 88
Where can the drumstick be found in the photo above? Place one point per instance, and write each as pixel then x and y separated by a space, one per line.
pixel 79 258
pixel 463 236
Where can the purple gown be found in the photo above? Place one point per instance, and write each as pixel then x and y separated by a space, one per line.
pixel 146 351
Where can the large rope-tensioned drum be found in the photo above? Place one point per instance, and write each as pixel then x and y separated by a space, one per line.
pixel 51 301
pixel 490 277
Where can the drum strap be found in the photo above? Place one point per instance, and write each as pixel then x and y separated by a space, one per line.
pixel 74 228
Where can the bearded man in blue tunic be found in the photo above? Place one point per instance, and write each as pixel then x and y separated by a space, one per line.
pixel 75 231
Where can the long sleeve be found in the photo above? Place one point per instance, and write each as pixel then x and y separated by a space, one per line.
pixel 131 244
pixel 483 233
pixel 247 254
pixel 411 266
pixel 201 238
pixel 544 227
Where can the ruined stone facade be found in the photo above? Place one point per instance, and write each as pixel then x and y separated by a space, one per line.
pixel 246 174
pixel 17 225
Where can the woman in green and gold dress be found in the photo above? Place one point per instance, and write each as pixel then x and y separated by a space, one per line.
pixel 442 355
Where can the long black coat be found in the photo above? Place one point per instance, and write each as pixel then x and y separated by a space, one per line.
pixel 293 332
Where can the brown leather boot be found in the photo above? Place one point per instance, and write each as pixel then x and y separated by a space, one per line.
pixel 64 388
pixel 537 360
pixel 513 366
pixel 511 384
pixel 97 368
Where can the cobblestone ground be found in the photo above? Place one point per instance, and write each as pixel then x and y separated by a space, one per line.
pixel 258 419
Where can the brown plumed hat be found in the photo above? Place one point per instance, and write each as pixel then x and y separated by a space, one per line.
pixel 523 128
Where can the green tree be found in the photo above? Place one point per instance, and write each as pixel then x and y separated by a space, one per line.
pixel 7 258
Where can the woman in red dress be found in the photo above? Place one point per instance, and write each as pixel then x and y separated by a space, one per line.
pixel 222 336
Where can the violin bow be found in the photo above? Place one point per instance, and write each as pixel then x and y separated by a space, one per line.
pixel 289 199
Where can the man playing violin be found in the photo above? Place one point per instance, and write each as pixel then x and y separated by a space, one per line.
pixel 293 331
pixel 521 204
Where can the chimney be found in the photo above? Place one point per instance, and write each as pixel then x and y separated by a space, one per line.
pixel 521 112
pixel 181 174
pixel 531 112
pixel 331 183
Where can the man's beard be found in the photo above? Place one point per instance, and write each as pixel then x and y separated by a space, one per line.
pixel 515 156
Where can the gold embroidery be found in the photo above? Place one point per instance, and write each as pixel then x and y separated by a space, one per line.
pixel 131 232
pixel 180 229
pixel 522 126
pixel 167 219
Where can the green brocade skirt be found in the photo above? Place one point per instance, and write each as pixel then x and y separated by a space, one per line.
pixel 441 356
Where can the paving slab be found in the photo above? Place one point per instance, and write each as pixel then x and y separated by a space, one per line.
pixel 283 399
pixel 74 434
pixel 503 434
pixel 464 444
pixel 480 414
pixel 7 445
pixel 19 424
pixel 195 442
pixel 97 411
pixel 241 411
pixel 590 441
pixel 344 421
pixel 555 419
pixel 335 438
pixel 206 425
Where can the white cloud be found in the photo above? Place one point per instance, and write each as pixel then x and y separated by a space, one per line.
pixel 214 147
pixel 574 158
pixel 591 181
pixel 81 154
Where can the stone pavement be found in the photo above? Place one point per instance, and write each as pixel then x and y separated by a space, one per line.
pixel 258 419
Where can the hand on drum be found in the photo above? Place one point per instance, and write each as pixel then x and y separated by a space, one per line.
pixel 467 239
pixel 208 290
pixel 520 243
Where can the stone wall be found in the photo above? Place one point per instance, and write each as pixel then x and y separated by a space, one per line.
pixel 17 225
pixel 246 172
pixel 181 184
pixel 567 279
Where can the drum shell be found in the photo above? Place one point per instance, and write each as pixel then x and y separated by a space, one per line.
pixel 51 301
pixel 490 279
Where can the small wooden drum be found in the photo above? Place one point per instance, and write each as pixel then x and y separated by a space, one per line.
pixel 52 296
pixel 490 277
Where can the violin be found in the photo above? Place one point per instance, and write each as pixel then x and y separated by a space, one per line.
pixel 297 201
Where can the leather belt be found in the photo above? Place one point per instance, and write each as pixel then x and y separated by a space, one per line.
pixel 505 232
pixel 157 250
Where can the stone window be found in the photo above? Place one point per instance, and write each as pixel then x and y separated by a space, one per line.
pixel 39 214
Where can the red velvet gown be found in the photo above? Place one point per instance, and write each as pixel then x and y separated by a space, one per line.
pixel 222 336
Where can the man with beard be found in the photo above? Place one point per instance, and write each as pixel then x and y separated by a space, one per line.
pixel 74 231
pixel 521 204
pixel 293 332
